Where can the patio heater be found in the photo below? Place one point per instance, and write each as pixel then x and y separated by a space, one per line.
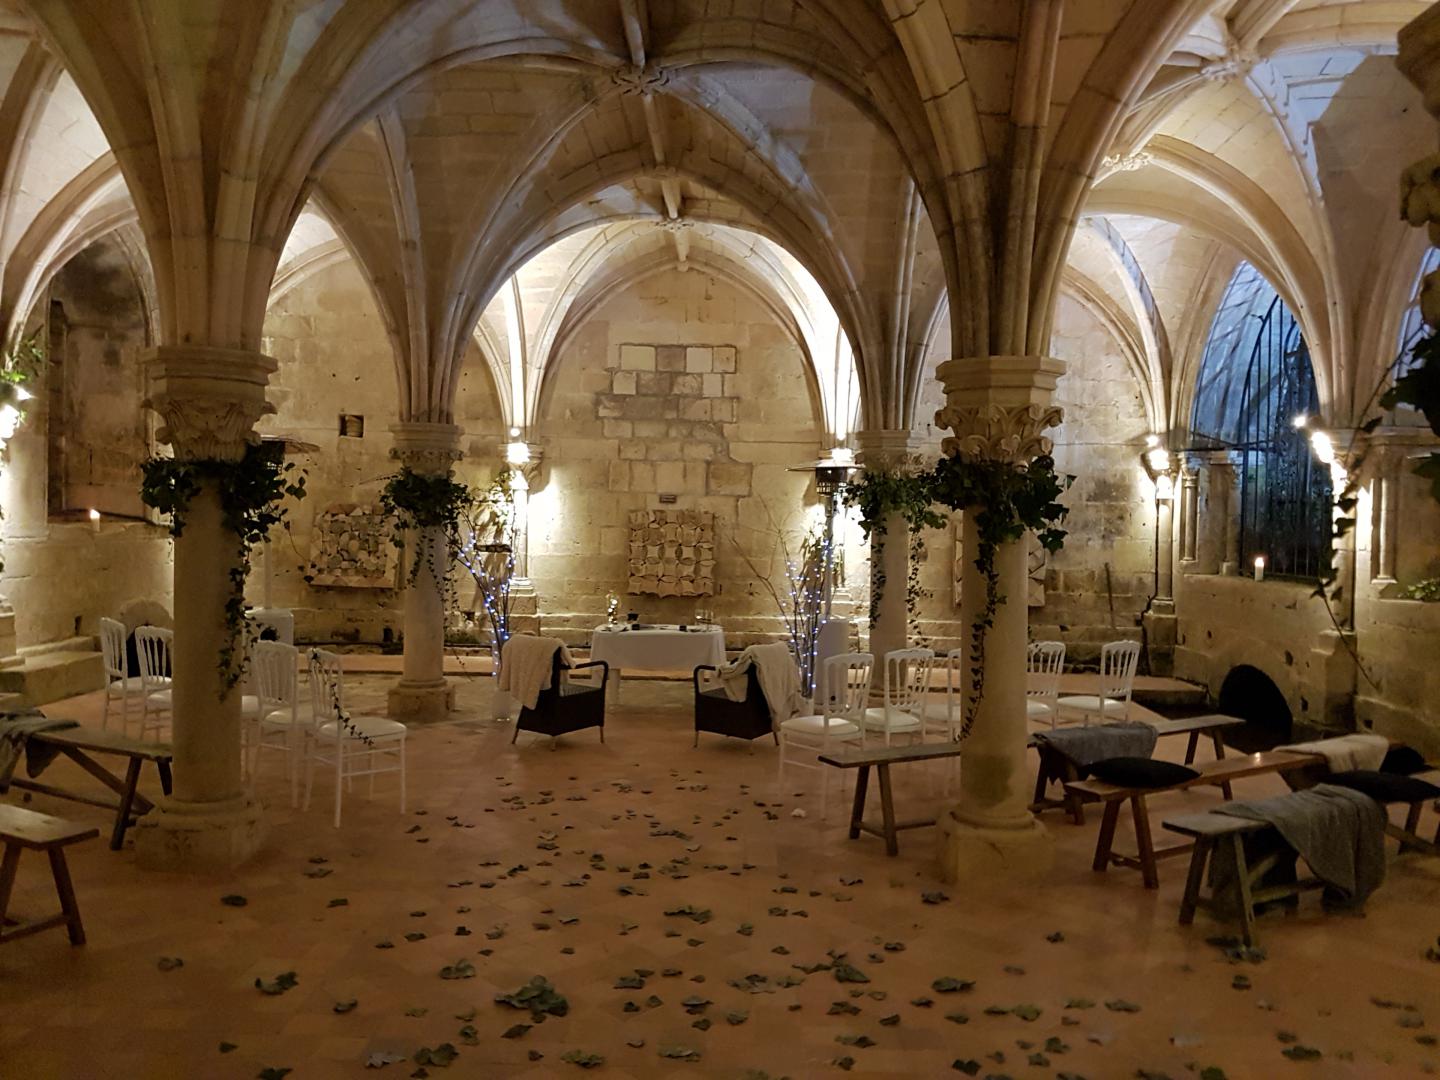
pixel 831 475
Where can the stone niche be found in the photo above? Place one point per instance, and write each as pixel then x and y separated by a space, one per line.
pixel 672 552
pixel 352 548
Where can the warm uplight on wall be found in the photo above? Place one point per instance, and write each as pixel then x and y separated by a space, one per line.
pixel 1323 447
pixel 842 455
pixel 517 453
pixel 94 520
pixel 1159 460
pixel 1164 487
pixel 514 433
pixel 1300 420
pixel 1259 567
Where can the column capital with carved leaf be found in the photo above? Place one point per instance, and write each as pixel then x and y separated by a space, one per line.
pixel 998 406
pixel 426 447
pixel 208 399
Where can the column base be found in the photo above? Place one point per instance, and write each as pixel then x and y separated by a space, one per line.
pixel 421 703
pixel 981 856
pixel 210 837
pixel 1161 633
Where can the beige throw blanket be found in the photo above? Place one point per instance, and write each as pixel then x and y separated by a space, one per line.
pixel 525 665
pixel 1346 753
pixel 779 680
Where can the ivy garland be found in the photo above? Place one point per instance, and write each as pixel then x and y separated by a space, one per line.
pixel 251 491
pixel 1007 500
pixel 419 501
pixel 877 495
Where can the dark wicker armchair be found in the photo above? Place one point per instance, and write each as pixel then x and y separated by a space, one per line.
pixel 565 706
pixel 716 713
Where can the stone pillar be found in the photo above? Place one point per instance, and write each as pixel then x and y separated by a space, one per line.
pixel 1159 618
pixel 423 693
pixel 1384 522
pixel 889 554
pixel 1189 514
pixel 209 400
pixel 997 407
pixel 1224 502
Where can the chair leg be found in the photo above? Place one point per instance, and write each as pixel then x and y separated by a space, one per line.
pixel 339 773
pixel 66 891
pixel 1193 880
pixel 105 710
pixel 1145 842
pixel 402 774
pixel 1106 839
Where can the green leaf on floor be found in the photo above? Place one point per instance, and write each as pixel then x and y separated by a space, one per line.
pixel 890 1021
pixel 1121 1005
pixel 1213 1072
pixel 958 1018
pixel 680 1053
pixel 461 969
pixel 948 984
pixel 417 1011
pixel 845 1063
pixel 470 1036
pixel 273 1073
pixel 226 1047
pixel 379 1059
pixel 169 963
pixel 441 1055
pixel 845 971
pixel 538 996
pixel 629 982
pixel 514 1031
pixel 1079 1003
pixel 935 897
pixel 1028 1013
pixel 234 900
pixel 968 1066
pixel 345 1006
pixel 862 1041
pixel 736 1018
pixel 415 935
pixel 1055 938
pixel 582 1058
pixel 1299 1052
pixel 286 980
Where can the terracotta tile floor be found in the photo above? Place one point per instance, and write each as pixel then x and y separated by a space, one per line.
pixel 544 857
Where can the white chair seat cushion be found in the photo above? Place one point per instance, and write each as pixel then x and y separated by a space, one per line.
pixel 939 711
pixel 283 718
pixel 819 725
pixel 160 699
pixel 121 687
pixel 890 719
pixel 374 727
pixel 1092 703
pixel 1035 709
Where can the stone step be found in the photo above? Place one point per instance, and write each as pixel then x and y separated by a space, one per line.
pixel 50 676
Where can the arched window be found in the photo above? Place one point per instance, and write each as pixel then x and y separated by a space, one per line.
pixel 1255 382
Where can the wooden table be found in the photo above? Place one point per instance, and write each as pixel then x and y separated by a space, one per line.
pixel 882 759
pixel 79 744
pixel 21 829
pixel 1056 767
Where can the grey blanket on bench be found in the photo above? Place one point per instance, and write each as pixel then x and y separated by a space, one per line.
pixel 15 731
pixel 1084 746
pixel 1340 833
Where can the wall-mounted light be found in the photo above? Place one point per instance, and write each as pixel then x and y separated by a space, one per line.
pixel 1259 567
pixel 1164 487
pixel 517 453
pixel 1300 420
pixel 514 433
pixel 1324 449
pixel 94 520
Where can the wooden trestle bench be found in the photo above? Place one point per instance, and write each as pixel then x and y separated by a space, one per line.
pixel 21 829
pixel 1055 766
pixel 81 745
pixel 881 759
pixel 1215 773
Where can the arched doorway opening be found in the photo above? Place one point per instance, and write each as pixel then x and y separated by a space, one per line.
pixel 1251 695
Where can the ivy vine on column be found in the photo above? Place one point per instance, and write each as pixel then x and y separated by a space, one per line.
pixel 251 491
pixel 418 501
pixel 1007 500
pixel 878 495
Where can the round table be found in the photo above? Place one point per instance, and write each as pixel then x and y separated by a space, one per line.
pixel 657 648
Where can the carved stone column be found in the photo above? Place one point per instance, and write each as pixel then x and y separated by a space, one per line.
pixel 1225 504
pixel 208 400
pixel 423 693
pixel 1384 516
pixel 1189 515
pixel 998 407
pixel 889 554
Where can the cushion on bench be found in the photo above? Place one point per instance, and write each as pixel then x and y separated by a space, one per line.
pixel 1385 787
pixel 1134 772
pixel 1403 760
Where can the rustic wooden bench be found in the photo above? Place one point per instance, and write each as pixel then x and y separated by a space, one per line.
pixel 20 829
pixel 1057 768
pixel 881 759
pixel 1209 831
pixel 79 744
pixel 1216 773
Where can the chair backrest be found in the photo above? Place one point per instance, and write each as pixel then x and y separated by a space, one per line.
pixel 112 647
pixel 953 661
pixel 327 687
pixel 1118 660
pixel 1044 663
pixel 847 678
pixel 907 678
pixel 152 645
pixel 276 682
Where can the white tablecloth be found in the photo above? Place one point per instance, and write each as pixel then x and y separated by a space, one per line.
pixel 660 648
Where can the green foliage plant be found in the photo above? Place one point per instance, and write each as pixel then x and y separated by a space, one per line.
pixel 252 493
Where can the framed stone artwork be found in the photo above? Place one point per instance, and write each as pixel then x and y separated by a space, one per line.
pixel 351 548
pixel 672 552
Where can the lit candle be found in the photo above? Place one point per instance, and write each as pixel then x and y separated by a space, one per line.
pixel 1259 567
pixel 95 521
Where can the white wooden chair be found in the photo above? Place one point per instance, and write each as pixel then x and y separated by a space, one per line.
pixel 153 646
pixel 1044 662
pixel 906 690
pixel 119 684
pixel 282 724
pixel 1118 660
pixel 841 708
pixel 348 744
pixel 945 717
